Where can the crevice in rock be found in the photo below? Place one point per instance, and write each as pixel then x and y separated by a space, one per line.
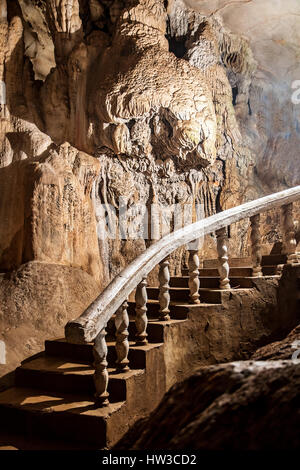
pixel 249 108
pixel 177 47
pixel 235 92
pixel 176 44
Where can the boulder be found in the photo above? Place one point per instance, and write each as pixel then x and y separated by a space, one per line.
pixel 251 405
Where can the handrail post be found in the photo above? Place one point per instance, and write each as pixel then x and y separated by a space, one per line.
pixel 101 372
pixel 223 268
pixel 164 290
pixel 141 320
pixel 122 344
pixel 289 234
pixel 194 281
pixel 256 246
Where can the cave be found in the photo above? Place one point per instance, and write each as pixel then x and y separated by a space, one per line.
pixel 149 225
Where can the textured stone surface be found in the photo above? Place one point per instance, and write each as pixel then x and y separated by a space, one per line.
pixel 272 128
pixel 36 301
pixel 38 43
pixel 236 406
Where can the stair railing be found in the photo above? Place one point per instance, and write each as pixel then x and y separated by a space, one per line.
pixel 90 326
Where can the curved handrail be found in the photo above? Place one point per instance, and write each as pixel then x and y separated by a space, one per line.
pixel 86 328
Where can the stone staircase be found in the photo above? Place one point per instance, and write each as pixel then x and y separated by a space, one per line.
pixel 52 405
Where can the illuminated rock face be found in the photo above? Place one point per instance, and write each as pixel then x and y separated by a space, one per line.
pixel 178 104
pixel 50 218
pixel 137 85
pixel 130 95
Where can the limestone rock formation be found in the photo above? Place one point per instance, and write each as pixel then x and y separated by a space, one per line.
pixel 48 213
pixel 266 100
pixel 236 406
pixel 144 87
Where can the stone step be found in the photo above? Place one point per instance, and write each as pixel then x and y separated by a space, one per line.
pixel 242 271
pixel 84 352
pixel 212 282
pixel 182 294
pixel 267 260
pixel 210 272
pixel 233 262
pixel 155 329
pixel 43 404
pixel 68 416
pixel 269 270
pixel 55 374
pixel 178 311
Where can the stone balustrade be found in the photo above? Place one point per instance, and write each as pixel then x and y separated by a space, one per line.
pixel 91 325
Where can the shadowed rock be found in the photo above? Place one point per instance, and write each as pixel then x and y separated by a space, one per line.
pixel 236 406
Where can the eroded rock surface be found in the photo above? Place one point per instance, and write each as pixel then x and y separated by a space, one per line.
pixel 236 406
pixel 36 301
pixel 121 90
pixel 280 350
pixel 47 211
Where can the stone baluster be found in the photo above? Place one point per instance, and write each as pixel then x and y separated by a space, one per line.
pixel 223 268
pixel 122 344
pixel 256 246
pixel 289 234
pixel 101 372
pixel 194 281
pixel 164 290
pixel 141 320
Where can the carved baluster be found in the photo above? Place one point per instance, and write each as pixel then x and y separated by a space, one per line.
pixel 164 287
pixel 122 344
pixel 289 234
pixel 256 246
pixel 3 108
pixel 101 373
pixel 194 282
pixel 223 268
pixel 141 320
